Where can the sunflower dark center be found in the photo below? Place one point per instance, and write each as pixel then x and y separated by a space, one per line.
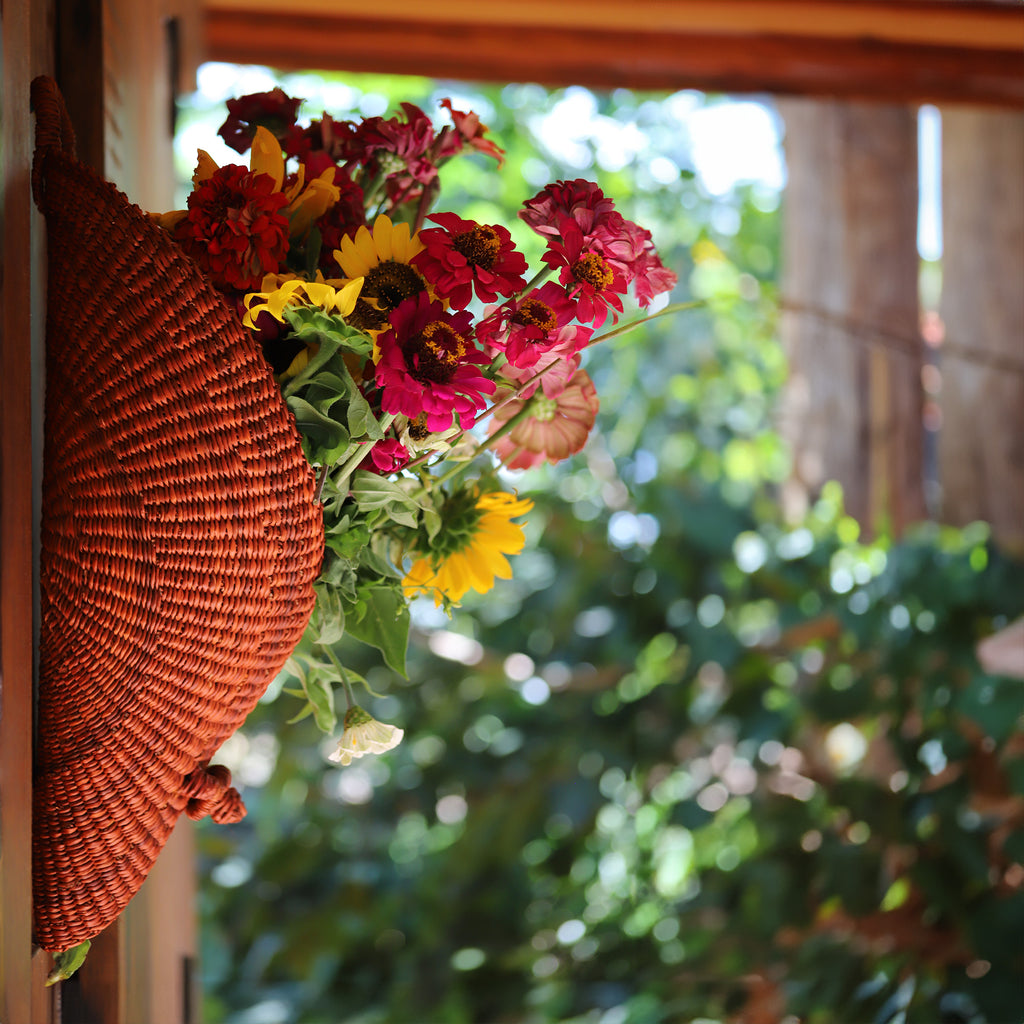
pixel 435 353
pixel 534 313
pixel 480 246
pixel 592 269
pixel 390 283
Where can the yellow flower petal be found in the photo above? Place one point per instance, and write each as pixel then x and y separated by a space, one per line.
pixel 266 157
pixel 206 167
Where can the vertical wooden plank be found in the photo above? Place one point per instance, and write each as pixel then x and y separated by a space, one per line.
pixel 852 411
pixel 162 937
pixel 981 444
pixel 28 50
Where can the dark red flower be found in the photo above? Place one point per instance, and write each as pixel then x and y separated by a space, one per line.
pixel 461 256
pixel 469 131
pixel 345 217
pixel 580 200
pixel 429 365
pixel 235 229
pixel 274 110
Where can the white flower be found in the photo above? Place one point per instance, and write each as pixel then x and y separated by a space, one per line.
pixel 363 734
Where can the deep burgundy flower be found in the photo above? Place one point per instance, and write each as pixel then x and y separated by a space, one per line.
pixel 526 327
pixel 429 365
pixel 579 200
pixel 345 217
pixel 235 228
pixel 462 256
pixel 274 110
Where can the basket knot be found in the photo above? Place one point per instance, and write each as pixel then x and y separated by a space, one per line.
pixel 210 793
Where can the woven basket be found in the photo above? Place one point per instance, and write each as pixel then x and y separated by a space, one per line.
pixel 180 541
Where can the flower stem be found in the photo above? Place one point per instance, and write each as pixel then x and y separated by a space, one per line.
pixel 676 307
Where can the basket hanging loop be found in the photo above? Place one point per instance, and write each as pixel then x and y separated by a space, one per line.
pixel 53 130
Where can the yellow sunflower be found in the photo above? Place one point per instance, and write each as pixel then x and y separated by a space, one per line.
pixel 383 258
pixel 471 555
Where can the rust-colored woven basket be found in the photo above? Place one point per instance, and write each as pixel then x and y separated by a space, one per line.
pixel 180 541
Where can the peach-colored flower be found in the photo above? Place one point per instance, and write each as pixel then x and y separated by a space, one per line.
pixel 554 428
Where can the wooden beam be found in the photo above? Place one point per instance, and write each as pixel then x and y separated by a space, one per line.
pixel 910 51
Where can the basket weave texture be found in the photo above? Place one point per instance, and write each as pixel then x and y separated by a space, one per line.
pixel 180 541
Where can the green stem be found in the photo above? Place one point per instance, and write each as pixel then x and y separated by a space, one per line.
pixel 350 699
pixel 362 449
pixel 676 307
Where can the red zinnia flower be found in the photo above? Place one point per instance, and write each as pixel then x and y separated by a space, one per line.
pixel 462 255
pixel 554 428
pixel 235 229
pixel 428 365
pixel 526 327
pixel 590 278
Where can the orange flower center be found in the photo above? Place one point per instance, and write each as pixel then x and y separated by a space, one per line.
pixel 534 313
pixel 591 269
pixel 480 246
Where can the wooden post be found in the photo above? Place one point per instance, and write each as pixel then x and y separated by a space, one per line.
pixel 28 50
pixel 852 411
pixel 981 443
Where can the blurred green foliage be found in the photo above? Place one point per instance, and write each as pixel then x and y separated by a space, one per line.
pixel 693 763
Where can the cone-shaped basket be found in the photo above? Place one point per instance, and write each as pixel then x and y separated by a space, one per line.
pixel 180 541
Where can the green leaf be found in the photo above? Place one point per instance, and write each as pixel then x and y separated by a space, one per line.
pixel 321 700
pixel 67 963
pixel 384 624
pixel 328 620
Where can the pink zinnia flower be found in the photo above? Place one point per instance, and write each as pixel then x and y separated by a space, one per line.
pixel 554 428
pixel 235 228
pixel 461 256
pixel 555 366
pixel 629 247
pixel 589 276
pixel 428 365
pixel 527 327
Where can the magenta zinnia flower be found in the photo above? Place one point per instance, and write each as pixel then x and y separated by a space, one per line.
pixel 429 365
pixel 235 228
pixel 461 256
pixel 555 366
pixel 554 427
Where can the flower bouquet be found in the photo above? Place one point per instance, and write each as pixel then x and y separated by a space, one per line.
pixel 417 352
